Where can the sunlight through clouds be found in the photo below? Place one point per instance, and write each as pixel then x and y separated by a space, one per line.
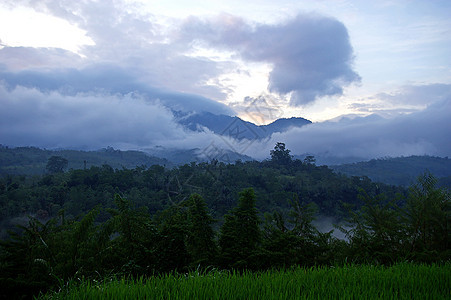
pixel 24 27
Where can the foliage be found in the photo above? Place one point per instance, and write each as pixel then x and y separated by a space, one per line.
pixel 156 187
pixel 280 154
pixel 385 232
pixel 428 220
pixel 240 234
pixel 32 161
pixel 56 164
pixel 400 170
pixel 96 222
pixel 200 235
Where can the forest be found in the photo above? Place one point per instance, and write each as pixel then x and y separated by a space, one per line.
pixel 100 222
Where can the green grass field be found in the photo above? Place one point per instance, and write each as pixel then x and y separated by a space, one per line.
pixel 402 281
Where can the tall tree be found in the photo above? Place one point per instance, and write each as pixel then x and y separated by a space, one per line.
pixel 134 247
pixel 240 235
pixel 429 220
pixel 200 239
pixel 172 252
pixel 56 164
pixel 280 154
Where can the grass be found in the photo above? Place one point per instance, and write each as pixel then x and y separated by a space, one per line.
pixel 401 281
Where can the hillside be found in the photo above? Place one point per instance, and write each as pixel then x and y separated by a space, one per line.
pixel 398 171
pixel 32 161
pixel 100 222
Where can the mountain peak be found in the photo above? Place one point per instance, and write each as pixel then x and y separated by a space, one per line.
pixel 227 125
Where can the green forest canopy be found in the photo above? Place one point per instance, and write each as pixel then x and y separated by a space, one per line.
pixel 252 215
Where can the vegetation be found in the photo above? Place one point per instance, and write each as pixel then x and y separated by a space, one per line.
pixel 401 170
pixel 100 222
pixel 77 191
pixel 34 161
pixel 56 164
pixel 401 281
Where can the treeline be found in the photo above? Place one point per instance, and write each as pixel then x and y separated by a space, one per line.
pixel 32 160
pixel 400 170
pixel 131 242
pixel 156 187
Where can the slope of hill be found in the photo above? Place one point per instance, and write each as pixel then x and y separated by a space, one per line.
pixel 32 161
pixel 398 171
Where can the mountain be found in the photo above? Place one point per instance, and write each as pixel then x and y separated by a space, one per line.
pixel 283 124
pixel 399 171
pixel 236 127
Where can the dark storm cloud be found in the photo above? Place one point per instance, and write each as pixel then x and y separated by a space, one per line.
pixel 311 55
pixel 107 79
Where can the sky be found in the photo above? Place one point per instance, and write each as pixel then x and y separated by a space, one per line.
pixel 373 76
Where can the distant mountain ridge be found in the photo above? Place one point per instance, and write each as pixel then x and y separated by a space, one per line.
pixel 400 170
pixel 235 126
pixel 32 160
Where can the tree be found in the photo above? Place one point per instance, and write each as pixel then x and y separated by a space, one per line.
pixel 25 261
pixel 280 155
pixel 200 240
pixel 377 230
pixel 240 235
pixel 172 253
pixel 56 164
pixel 384 232
pixel 279 243
pixel 309 160
pixel 428 212
pixel 134 249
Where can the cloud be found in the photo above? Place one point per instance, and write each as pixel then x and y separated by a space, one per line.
pixel 424 132
pixel 51 120
pixel 417 94
pixel 130 38
pixel 22 58
pixel 311 55
pixel 107 79
pixel 93 120
pixel 405 99
pixel 118 93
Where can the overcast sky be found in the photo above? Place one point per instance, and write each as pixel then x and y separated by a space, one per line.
pixel 99 73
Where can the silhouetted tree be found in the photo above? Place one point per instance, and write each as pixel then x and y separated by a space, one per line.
pixel 429 220
pixel 200 239
pixel 280 155
pixel 240 235
pixel 56 164
pixel 310 160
